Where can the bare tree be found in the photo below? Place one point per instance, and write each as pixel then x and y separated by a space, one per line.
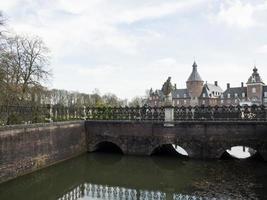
pixel 112 100
pixel 1 19
pixel 2 24
pixel 24 61
pixel 136 101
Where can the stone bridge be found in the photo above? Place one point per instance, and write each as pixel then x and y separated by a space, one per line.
pixel 200 139
pixel 203 132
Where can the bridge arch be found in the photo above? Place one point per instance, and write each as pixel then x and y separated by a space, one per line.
pixel 107 146
pixel 169 149
pixel 239 151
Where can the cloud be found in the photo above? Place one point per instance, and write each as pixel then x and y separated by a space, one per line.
pixel 262 49
pixel 157 10
pixel 237 13
pixel 126 47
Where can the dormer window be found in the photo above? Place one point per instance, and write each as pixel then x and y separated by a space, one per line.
pixel 254 90
pixel 178 96
pixel 204 95
pixel 228 95
pixel 243 95
pixel 184 95
pixel 236 95
pixel 265 94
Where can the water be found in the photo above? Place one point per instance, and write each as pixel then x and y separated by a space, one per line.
pixel 112 176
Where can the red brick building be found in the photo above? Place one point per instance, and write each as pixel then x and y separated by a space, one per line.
pixel 199 93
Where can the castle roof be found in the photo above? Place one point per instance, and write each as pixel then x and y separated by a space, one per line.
pixel 255 77
pixel 211 90
pixel 235 90
pixel 180 93
pixel 194 76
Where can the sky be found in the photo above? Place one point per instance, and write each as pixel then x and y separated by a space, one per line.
pixel 128 46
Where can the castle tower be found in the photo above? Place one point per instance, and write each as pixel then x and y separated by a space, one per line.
pixel 194 85
pixel 255 88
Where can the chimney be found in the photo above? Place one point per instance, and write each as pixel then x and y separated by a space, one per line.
pixel 216 83
pixel 228 85
pixel 242 84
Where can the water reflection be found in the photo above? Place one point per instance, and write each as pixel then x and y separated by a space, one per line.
pixel 103 192
pixel 108 176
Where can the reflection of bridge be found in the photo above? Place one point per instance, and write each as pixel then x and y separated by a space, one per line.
pixel 93 191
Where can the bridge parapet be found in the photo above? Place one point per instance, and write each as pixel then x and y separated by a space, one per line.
pixel 197 113
pixel 39 114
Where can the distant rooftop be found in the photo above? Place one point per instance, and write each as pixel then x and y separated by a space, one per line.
pixel 194 76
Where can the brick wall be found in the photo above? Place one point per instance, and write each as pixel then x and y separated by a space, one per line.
pixel 26 148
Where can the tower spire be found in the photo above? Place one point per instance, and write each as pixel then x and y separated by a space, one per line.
pixel 194 76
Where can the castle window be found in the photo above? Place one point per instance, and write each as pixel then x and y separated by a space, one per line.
pixel 177 102
pixel 243 94
pixel 254 90
pixel 204 95
pixel 203 102
pixel 236 95
pixel 228 96
pixel 178 96
pixel 265 94
pixel 184 95
pixel 184 101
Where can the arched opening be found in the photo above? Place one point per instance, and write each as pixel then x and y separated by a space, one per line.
pixel 170 150
pixel 240 152
pixel 108 147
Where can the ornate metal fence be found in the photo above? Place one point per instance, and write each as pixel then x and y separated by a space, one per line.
pixel 197 113
pixel 40 114
pixel 223 113
pixel 126 113
pixel 23 114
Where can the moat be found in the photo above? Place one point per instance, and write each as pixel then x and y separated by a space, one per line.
pixel 114 176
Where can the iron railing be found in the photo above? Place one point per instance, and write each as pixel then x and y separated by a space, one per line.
pixel 40 114
pixel 126 113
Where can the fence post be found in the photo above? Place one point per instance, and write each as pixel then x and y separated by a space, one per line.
pixel 169 111
pixel 50 113
pixel 84 112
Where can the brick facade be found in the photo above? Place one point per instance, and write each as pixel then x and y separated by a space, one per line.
pixel 199 93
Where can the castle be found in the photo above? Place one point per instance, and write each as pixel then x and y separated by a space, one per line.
pixel 198 93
